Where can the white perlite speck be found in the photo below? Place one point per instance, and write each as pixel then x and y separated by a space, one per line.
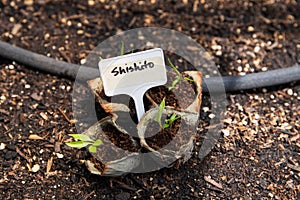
pixel 35 168
pixel 226 132
pixel 211 116
pixel 290 92
pixel 2 146
pixel 59 155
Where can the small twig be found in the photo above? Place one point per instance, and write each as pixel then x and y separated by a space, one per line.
pixel 64 55
pixel 124 186
pixel 8 131
pixel 213 182
pixel 23 155
pixel 66 117
pixel 294 167
pixel 88 195
pixel 4 112
pixel 49 165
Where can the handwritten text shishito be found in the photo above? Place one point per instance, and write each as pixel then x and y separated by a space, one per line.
pixel 132 68
pixel 131 72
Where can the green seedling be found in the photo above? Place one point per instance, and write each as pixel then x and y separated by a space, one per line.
pixel 122 48
pixel 174 83
pixel 169 122
pixel 177 79
pixel 84 141
pixel 173 67
pixel 160 112
pixel 188 79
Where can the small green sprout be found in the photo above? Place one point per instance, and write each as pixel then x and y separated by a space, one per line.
pixel 173 67
pixel 169 122
pixel 83 141
pixel 188 79
pixel 177 79
pixel 174 83
pixel 122 48
pixel 160 112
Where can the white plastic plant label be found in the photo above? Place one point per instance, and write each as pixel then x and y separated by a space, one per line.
pixel 133 74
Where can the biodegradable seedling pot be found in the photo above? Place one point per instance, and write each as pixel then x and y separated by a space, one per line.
pixel 121 150
pixel 168 144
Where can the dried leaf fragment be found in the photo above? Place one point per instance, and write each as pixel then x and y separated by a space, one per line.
pixel 28 2
pixel 49 165
pixel 295 137
pixel 36 97
pixel 35 137
pixel 16 29
pixel 213 182
pixel 44 116
pixel 294 167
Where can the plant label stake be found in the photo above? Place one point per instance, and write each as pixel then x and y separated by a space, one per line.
pixel 133 74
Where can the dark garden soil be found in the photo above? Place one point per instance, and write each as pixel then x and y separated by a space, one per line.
pixel 257 156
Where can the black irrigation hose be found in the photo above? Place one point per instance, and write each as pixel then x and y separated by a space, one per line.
pixel 231 83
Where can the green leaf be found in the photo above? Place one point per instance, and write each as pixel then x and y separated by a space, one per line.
pixel 160 112
pixel 97 143
pixel 81 137
pixel 166 126
pixel 188 79
pixel 169 122
pixel 122 48
pixel 174 83
pixel 173 66
pixel 77 144
pixel 92 149
pixel 174 117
